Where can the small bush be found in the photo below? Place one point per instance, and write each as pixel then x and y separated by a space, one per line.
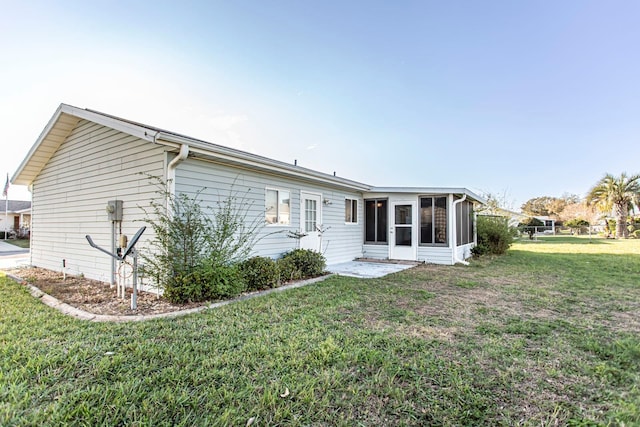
pixel 259 273
pixel 494 236
pixel 288 270
pixel 309 263
pixel 636 234
pixel 225 281
pixel 207 282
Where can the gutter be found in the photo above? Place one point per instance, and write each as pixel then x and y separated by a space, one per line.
pixel 171 169
pixel 455 229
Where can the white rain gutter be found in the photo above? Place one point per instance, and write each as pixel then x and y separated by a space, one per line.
pixel 171 169
pixel 455 229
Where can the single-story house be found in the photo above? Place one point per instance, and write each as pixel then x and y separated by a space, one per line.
pixel 85 159
pixel 15 216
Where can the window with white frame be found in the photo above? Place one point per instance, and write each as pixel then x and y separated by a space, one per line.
pixel 350 211
pixel 278 207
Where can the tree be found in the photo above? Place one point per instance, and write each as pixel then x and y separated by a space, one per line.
pixel 529 225
pixel 579 210
pixel 617 194
pixel 548 206
pixel 577 224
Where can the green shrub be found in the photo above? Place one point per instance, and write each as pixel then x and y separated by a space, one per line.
pixel 225 281
pixel 636 234
pixel 288 270
pixel 195 246
pixel 494 236
pixel 259 273
pixel 204 283
pixel 309 263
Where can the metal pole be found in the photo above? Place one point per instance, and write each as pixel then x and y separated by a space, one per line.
pixel 134 295
pixel 6 209
pixel 113 251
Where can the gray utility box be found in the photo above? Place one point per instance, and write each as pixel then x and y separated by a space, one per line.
pixel 114 210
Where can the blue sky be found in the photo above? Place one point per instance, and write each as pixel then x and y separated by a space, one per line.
pixel 523 98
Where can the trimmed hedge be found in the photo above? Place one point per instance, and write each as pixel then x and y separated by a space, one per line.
pixel 260 273
pixel 309 263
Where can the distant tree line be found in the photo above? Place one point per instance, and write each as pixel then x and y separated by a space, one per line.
pixel 612 196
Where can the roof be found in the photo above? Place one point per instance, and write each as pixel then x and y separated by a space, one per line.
pixel 429 190
pixel 66 118
pixel 16 206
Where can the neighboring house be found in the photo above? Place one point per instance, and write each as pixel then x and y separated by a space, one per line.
pixel 549 224
pixel 84 159
pixel 15 216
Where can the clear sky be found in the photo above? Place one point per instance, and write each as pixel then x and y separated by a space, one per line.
pixel 523 98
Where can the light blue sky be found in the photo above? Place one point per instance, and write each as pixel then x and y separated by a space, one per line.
pixel 527 98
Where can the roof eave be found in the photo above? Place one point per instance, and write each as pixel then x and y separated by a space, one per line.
pixel 429 190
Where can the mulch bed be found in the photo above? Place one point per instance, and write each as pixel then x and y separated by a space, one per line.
pixel 94 296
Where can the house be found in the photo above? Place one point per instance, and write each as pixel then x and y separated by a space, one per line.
pixel 549 224
pixel 85 159
pixel 15 217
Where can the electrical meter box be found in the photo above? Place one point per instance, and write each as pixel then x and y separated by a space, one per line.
pixel 114 210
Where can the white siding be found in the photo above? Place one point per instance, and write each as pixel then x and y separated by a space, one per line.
pixel 341 242
pixel 375 251
pixel 435 254
pixel 464 251
pixel 93 165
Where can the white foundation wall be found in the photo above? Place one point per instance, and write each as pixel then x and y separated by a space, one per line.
pixel 93 165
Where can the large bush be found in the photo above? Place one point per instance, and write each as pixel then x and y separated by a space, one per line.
pixel 309 263
pixel 259 273
pixel 195 247
pixel 494 236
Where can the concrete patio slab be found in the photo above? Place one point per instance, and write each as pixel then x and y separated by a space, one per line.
pixel 367 269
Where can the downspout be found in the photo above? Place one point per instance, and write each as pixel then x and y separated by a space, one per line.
pixel 455 230
pixel 171 172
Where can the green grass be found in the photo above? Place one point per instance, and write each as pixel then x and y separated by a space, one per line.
pixel 547 335
pixel 22 243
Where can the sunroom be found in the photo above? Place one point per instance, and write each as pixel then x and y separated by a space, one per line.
pixel 434 225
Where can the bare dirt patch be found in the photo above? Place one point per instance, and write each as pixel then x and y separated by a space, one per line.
pixel 94 296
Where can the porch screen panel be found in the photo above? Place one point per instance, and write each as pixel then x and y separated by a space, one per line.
pixel 426 220
pixel 376 221
pixel 382 215
pixel 370 220
pixel 440 220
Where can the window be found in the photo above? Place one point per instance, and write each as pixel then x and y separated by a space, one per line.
pixel 350 211
pixel 375 221
pixel 433 220
pixel 310 215
pixel 464 223
pixel 278 207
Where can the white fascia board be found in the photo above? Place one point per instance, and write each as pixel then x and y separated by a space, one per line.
pixel 428 190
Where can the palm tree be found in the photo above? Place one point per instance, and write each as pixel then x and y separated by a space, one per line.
pixel 617 194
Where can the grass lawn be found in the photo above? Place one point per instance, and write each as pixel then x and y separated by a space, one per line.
pixel 547 335
pixel 22 243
